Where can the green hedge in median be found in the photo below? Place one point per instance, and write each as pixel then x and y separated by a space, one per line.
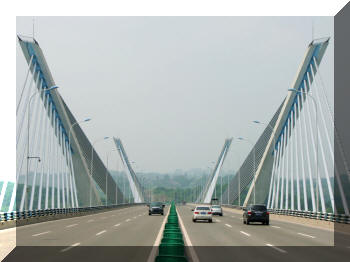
pixel 172 248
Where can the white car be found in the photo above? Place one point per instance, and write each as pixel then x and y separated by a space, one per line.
pixel 202 213
pixel 216 210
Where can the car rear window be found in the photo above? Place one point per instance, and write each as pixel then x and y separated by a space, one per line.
pixel 156 204
pixel 259 208
pixel 215 206
pixel 202 208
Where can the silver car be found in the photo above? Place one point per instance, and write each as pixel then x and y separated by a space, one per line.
pixel 202 213
pixel 216 210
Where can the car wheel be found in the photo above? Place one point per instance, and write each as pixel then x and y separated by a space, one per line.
pixel 162 214
pixel 244 222
pixel 210 220
pixel 194 220
pixel 149 214
pixel 247 222
pixel 267 222
pixel 221 215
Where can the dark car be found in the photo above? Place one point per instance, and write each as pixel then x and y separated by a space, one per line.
pixel 156 208
pixel 256 213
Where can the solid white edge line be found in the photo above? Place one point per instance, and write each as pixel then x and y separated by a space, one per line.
pixel 276 248
pixel 70 247
pixel 187 240
pixel 153 253
pixel 39 234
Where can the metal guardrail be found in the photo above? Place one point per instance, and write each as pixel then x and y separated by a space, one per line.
pixel 337 218
pixel 20 215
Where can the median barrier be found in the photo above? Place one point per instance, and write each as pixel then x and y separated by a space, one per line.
pixel 172 248
pixel 175 234
pixel 172 240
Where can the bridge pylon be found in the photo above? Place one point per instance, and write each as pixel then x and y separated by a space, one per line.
pixel 207 194
pixel 135 185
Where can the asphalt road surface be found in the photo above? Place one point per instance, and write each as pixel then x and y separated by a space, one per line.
pixel 228 239
pixel 128 235
pixel 121 235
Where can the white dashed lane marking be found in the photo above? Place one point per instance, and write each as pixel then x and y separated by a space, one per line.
pixel 276 248
pixel 39 234
pixel 228 225
pixel 127 220
pixel 72 225
pixel 244 233
pixel 100 233
pixel 117 225
pixel 275 226
pixel 70 247
pixel 91 220
pixel 305 235
pixel 217 220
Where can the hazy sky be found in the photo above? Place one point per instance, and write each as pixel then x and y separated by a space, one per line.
pixel 173 88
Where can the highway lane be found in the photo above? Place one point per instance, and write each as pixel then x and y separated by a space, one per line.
pixel 227 236
pixel 130 232
pixel 119 227
pixel 229 230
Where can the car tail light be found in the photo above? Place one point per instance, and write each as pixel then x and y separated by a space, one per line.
pixel 209 213
pixel 196 213
pixel 249 212
pixel 267 213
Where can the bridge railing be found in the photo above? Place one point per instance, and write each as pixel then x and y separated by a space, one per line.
pixel 337 218
pixel 20 215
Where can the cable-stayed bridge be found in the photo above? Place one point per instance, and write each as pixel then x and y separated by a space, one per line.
pixel 290 168
pixel 57 166
pixel 292 165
